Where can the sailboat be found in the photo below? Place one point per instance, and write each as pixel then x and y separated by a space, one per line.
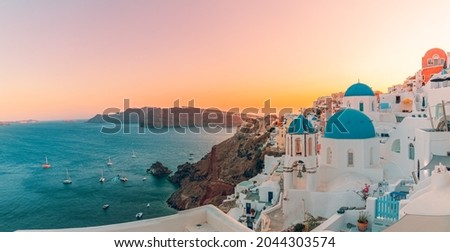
pixel 139 215
pixel 123 178
pixel 105 206
pixel 109 162
pixel 68 180
pixel 46 165
pixel 102 179
pixel 133 155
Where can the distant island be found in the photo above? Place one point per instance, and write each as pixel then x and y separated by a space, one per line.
pixel 154 117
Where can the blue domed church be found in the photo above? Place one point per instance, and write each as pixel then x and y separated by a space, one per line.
pixel 350 146
pixel 349 158
pixel 360 96
pixel 300 150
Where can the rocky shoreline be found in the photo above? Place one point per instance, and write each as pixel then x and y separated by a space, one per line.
pixel 228 163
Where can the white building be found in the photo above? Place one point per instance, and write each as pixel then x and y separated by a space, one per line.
pixel 269 191
pixel 432 148
pixel 349 146
pixel 427 209
pixel 255 195
pixel 360 96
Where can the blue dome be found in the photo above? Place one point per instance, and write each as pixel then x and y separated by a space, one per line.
pixel 359 89
pixel 349 124
pixel 300 125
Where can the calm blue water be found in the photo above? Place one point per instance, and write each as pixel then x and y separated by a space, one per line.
pixel 35 198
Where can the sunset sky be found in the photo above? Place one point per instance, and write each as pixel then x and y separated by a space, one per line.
pixel 74 59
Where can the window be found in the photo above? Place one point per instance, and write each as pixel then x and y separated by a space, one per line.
pixel 438 111
pixel 291 145
pixel 417 98
pixel 348 104
pixel 298 146
pixel 418 169
pixel 435 59
pixel 310 146
pixel 411 151
pixel 288 145
pixel 350 158
pixel 397 99
pixel 373 106
pixel 329 155
pixel 396 146
pixel 430 62
pixel 371 156
pixel 361 106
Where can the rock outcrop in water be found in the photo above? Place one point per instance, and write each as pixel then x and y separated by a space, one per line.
pixel 159 170
pixel 214 177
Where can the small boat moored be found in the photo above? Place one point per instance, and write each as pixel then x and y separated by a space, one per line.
pixel 46 165
pixel 102 178
pixel 68 179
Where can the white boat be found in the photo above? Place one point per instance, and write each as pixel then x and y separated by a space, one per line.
pixel 123 178
pixel 133 155
pixel 46 165
pixel 109 162
pixel 101 179
pixel 148 205
pixel 68 180
pixel 144 178
pixel 105 206
pixel 139 215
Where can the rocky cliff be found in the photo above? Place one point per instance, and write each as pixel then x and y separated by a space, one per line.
pixel 214 177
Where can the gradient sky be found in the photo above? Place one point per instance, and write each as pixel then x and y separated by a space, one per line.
pixel 73 59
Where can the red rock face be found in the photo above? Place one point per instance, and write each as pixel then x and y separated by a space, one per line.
pixel 216 192
pixel 214 177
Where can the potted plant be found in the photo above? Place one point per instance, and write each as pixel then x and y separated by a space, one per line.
pixel 363 221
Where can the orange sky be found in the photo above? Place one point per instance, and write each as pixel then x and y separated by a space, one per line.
pixel 73 59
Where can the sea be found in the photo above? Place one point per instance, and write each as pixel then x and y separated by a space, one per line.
pixel 34 198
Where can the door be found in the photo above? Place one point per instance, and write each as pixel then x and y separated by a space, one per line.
pixel 270 196
pixel 248 206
